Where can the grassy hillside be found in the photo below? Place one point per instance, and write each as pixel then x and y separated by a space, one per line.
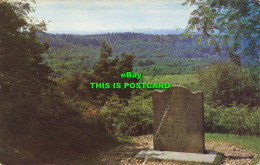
pixel 172 79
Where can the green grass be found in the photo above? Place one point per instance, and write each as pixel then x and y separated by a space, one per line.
pixel 247 142
pixel 172 79
pixel 125 139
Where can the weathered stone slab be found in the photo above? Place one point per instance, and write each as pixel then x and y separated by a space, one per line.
pixel 180 156
pixel 182 128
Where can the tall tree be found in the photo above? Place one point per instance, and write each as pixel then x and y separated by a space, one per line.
pixel 235 22
pixel 108 70
pixel 24 78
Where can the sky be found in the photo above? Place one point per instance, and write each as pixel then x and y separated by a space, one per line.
pixel 86 16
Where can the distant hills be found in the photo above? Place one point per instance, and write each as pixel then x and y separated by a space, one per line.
pixel 144 31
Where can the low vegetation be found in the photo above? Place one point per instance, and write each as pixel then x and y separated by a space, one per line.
pixel 133 119
pixel 236 119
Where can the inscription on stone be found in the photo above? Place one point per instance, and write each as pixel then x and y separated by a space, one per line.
pixel 182 127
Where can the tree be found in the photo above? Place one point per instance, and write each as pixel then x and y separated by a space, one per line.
pixel 24 78
pixel 125 64
pixel 109 70
pixel 232 25
pixel 228 84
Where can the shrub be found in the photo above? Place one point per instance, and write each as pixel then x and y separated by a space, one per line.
pixel 236 119
pixel 228 84
pixel 133 119
pixel 136 118
pixel 109 113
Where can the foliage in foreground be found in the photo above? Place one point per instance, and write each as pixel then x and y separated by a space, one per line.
pixel 236 119
pixel 36 124
pixel 234 22
pixel 24 78
pixel 133 119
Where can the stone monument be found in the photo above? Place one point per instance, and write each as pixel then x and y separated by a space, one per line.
pixel 182 127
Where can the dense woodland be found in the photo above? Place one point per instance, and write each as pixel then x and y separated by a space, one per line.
pixel 154 54
pixel 46 100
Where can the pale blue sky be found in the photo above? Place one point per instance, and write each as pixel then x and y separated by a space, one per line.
pixel 83 16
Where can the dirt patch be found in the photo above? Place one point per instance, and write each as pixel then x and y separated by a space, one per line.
pixel 233 154
pixel 125 153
